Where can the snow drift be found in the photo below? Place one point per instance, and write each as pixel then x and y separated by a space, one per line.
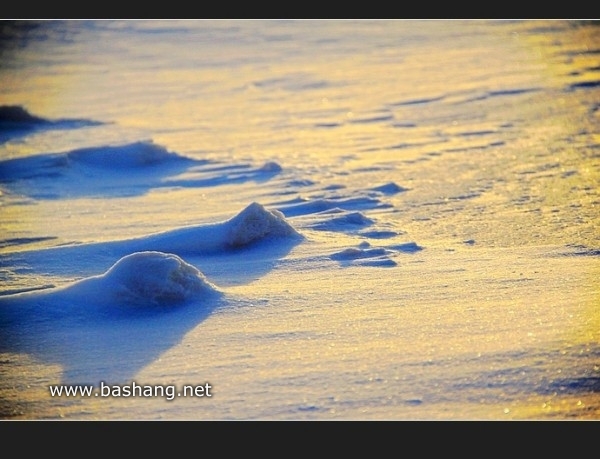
pixel 148 279
pixel 253 224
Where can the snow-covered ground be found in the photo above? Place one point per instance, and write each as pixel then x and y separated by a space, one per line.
pixel 300 219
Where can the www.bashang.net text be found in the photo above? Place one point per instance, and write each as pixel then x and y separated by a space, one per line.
pixel 168 392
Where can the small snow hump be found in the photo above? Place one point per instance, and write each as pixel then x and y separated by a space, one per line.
pixel 15 115
pixel 134 155
pixel 155 278
pixel 271 166
pixel 255 223
pixel 389 188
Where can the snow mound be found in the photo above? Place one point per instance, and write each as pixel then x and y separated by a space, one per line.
pixel 15 115
pixel 154 278
pixel 271 166
pixel 255 223
pixel 364 255
pixel 303 206
pixel 389 188
pixel 252 225
pixel 354 253
pixel 137 154
pixel 17 118
pixel 341 220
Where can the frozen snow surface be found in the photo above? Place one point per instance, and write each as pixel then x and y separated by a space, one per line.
pixel 300 219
